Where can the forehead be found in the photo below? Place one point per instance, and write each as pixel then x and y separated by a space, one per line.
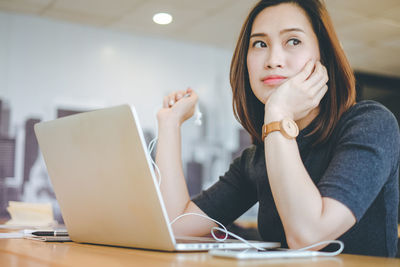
pixel 282 16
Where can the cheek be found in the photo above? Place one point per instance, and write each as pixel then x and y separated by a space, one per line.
pixel 298 63
pixel 253 68
pixel 299 60
pixel 252 65
pixel 255 65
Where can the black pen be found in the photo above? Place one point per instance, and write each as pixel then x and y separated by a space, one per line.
pixel 50 233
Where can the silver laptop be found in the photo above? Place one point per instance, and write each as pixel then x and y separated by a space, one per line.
pixel 108 193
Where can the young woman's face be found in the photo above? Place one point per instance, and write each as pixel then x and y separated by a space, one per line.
pixel 282 41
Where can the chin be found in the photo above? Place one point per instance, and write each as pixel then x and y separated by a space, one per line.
pixel 263 94
pixel 263 100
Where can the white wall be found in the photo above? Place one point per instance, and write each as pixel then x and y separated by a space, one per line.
pixel 4 26
pixel 46 64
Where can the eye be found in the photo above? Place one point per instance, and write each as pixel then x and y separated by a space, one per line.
pixel 294 42
pixel 259 44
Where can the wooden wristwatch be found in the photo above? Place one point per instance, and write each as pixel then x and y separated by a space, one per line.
pixel 287 127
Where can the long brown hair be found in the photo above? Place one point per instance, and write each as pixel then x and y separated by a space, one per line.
pixel 249 111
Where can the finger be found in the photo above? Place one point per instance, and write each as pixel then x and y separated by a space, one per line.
pixel 315 75
pixel 165 102
pixel 318 74
pixel 321 93
pixel 318 87
pixel 306 71
pixel 190 93
pixel 179 95
pixel 171 99
pixel 317 80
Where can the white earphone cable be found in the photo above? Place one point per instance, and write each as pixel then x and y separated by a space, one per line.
pixel 223 229
pixel 198 122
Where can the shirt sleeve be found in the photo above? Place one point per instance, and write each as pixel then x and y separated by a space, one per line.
pixel 231 196
pixel 366 155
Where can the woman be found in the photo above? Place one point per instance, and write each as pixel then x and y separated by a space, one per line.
pixel 336 179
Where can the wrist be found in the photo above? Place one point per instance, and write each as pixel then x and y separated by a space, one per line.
pixel 275 114
pixel 169 121
pixel 168 130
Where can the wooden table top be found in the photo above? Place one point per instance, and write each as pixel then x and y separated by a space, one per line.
pixel 24 252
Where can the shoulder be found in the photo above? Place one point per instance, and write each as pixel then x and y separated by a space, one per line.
pixel 249 157
pixel 369 124
pixel 248 154
pixel 369 115
pixel 368 108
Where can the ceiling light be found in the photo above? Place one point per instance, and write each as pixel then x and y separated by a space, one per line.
pixel 162 18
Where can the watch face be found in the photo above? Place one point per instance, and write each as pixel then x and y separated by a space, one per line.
pixel 290 128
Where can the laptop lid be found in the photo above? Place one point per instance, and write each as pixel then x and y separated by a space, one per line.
pixel 103 180
pixel 105 185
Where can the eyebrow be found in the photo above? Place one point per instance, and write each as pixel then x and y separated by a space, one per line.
pixel 281 32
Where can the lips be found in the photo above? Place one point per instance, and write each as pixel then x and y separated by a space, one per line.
pixel 273 79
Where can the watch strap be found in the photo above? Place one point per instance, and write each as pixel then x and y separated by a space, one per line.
pixel 270 127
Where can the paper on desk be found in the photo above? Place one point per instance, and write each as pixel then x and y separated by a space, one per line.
pixel 30 214
pixel 11 235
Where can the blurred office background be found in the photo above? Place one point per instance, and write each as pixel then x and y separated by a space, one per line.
pixel 60 57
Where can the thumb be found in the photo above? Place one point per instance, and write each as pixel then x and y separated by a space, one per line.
pixel 191 94
pixel 305 73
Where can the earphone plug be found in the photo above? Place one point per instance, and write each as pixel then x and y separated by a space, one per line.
pixel 197 115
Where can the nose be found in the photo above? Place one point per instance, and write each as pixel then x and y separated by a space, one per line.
pixel 274 59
